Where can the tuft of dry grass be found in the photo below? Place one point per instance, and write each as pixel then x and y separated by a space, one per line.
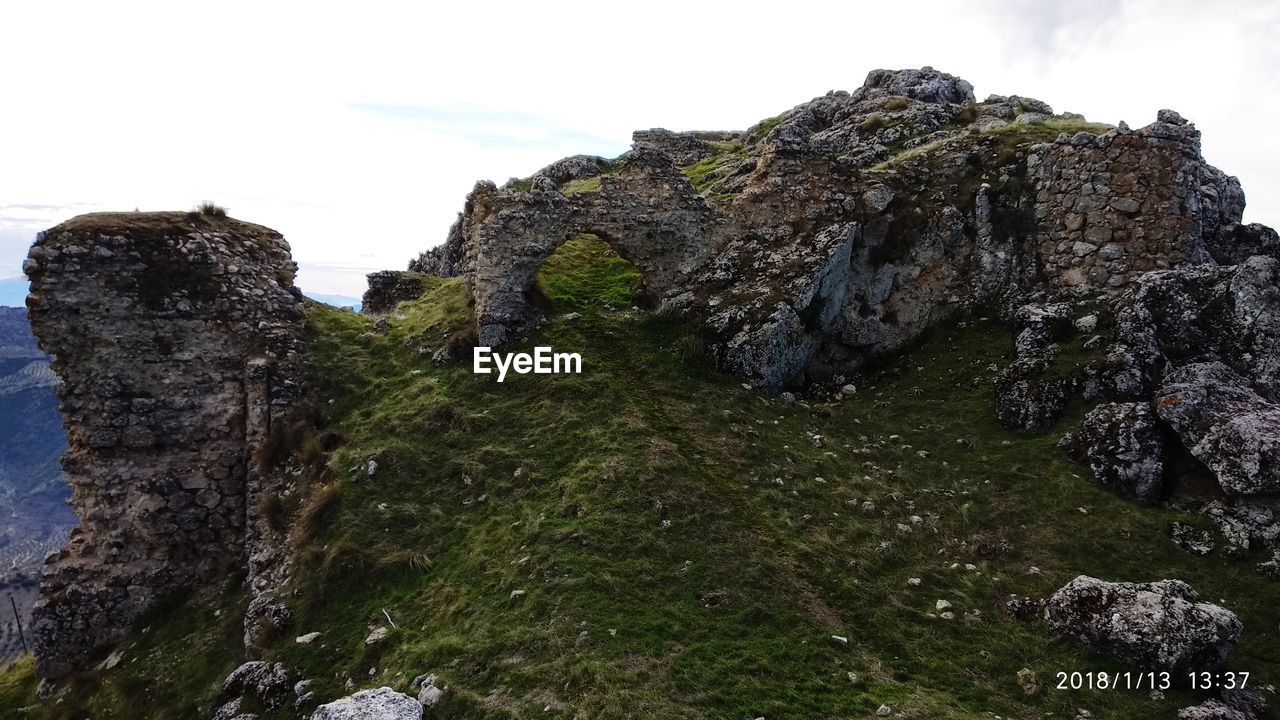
pixel 271 509
pixel 315 512
pixel 210 209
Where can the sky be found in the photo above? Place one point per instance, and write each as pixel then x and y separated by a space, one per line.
pixel 356 129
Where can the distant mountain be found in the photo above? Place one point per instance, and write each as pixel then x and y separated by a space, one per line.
pixel 342 301
pixel 13 292
pixel 34 516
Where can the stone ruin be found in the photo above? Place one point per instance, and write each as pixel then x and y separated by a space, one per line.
pixel 177 337
pixel 803 247
pixel 843 229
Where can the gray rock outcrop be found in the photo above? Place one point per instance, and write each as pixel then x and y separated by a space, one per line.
pixel 1157 626
pixel 176 336
pixel 1226 425
pixel 380 704
pixel 1124 448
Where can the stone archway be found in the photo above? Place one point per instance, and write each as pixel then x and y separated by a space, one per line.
pixel 647 212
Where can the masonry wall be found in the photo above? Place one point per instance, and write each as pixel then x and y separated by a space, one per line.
pixel 176 336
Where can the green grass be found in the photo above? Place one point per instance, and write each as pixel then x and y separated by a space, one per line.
pixel 585 273
pixel 685 547
pixel 588 185
pixel 171 670
pixel 1048 131
pixel 705 174
pixel 762 130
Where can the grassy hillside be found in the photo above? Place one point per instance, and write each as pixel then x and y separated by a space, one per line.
pixel 651 540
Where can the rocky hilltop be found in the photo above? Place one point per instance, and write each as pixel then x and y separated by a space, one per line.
pixel 840 230
pixel 847 373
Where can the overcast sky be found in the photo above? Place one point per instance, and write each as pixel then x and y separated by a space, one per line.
pixel 356 129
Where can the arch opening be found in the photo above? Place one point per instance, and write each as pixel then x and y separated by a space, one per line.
pixel 586 271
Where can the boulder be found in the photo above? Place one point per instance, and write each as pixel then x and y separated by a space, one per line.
pixel 268 683
pixel 1026 398
pixel 380 704
pixel 1156 626
pixel 1195 314
pixel 1226 425
pixel 1042 325
pixel 1238 704
pixel 1125 450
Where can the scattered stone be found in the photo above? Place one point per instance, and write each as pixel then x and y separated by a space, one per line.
pixel 877 199
pixel 307 639
pixel 1191 538
pixel 1022 607
pixel 377 635
pixel 1244 525
pixel 1028 682
pixel 430 695
pixel 1270 568
pixel 1153 626
pixel 884 711
pixel 1087 324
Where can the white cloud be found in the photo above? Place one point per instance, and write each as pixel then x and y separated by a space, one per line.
pixel 357 131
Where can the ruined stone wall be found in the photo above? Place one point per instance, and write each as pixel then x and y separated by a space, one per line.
pixel 648 212
pixel 389 288
pixel 1110 207
pixel 684 148
pixel 841 230
pixel 177 337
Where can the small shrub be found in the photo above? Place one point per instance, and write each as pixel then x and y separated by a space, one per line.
pixel 407 560
pixel 874 122
pixel 272 451
pixel 210 209
pixel 898 103
pixel 312 450
pixel 967 114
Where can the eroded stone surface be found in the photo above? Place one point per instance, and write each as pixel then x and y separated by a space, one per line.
pixel 175 336
pixel 1153 626
pixel 1226 425
pixel 379 704
pixel 389 288
pixel 1123 445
